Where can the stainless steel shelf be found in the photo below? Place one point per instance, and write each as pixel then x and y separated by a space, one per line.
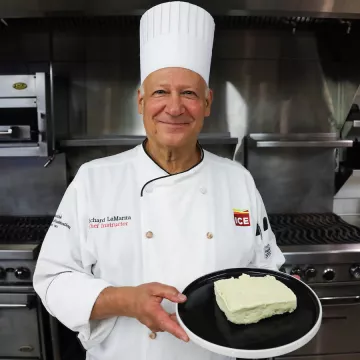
pixel 23 150
pixel 102 141
pixel 311 140
pixel 204 139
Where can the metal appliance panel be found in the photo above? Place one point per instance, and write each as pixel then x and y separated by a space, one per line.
pixel 28 188
pixel 338 333
pixel 347 199
pixel 303 177
pixel 17 86
pixel 19 331
pixel 17 103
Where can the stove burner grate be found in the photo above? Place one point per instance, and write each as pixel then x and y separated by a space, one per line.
pixel 23 229
pixel 289 229
pixel 312 229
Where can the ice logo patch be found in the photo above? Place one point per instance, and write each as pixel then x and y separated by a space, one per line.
pixel 241 217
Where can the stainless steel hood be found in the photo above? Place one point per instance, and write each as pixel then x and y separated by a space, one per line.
pixel 293 8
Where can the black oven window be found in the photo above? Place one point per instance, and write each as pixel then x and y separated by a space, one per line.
pixel 19 117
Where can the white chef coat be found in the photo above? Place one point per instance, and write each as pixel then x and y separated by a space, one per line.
pixel 124 221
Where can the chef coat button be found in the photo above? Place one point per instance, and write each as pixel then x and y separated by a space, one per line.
pixel 209 235
pixel 203 190
pixel 152 336
pixel 149 234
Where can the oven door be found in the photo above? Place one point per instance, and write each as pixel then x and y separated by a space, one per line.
pixel 19 326
pixel 338 337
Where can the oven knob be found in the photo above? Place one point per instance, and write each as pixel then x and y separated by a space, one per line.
pixel 329 274
pixel 22 273
pixel 296 271
pixel 2 273
pixel 355 271
pixel 310 273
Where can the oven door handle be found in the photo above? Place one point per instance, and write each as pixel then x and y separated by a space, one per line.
pixel 29 303
pixel 13 306
pixel 8 132
pixel 340 300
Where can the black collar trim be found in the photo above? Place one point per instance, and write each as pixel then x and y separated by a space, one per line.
pixel 168 174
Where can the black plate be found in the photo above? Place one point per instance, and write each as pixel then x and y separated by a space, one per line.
pixel 202 316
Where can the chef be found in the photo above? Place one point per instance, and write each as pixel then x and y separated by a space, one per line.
pixel 132 230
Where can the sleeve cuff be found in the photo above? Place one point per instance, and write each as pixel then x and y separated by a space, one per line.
pixel 95 332
pixel 71 297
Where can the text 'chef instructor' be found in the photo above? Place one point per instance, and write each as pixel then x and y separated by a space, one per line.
pixel 133 229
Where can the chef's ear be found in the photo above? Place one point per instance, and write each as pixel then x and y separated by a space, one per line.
pixel 140 102
pixel 208 101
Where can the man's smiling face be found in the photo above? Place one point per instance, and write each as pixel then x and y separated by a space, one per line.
pixel 174 103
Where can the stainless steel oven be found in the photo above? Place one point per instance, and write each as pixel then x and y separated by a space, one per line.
pixel 324 251
pixel 338 337
pixel 20 326
pixel 25 123
pixel 25 331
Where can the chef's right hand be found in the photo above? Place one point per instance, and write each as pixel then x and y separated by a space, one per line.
pixel 146 307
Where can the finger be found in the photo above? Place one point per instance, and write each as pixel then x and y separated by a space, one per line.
pixel 155 329
pixel 167 324
pixel 174 318
pixel 167 292
pixel 151 325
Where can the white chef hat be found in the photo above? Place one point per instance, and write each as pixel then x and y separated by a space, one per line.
pixel 176 34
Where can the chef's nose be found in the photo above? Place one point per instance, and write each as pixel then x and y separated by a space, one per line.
pixel 174 105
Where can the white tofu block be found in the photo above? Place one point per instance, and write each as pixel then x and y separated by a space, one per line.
pixel 249 299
